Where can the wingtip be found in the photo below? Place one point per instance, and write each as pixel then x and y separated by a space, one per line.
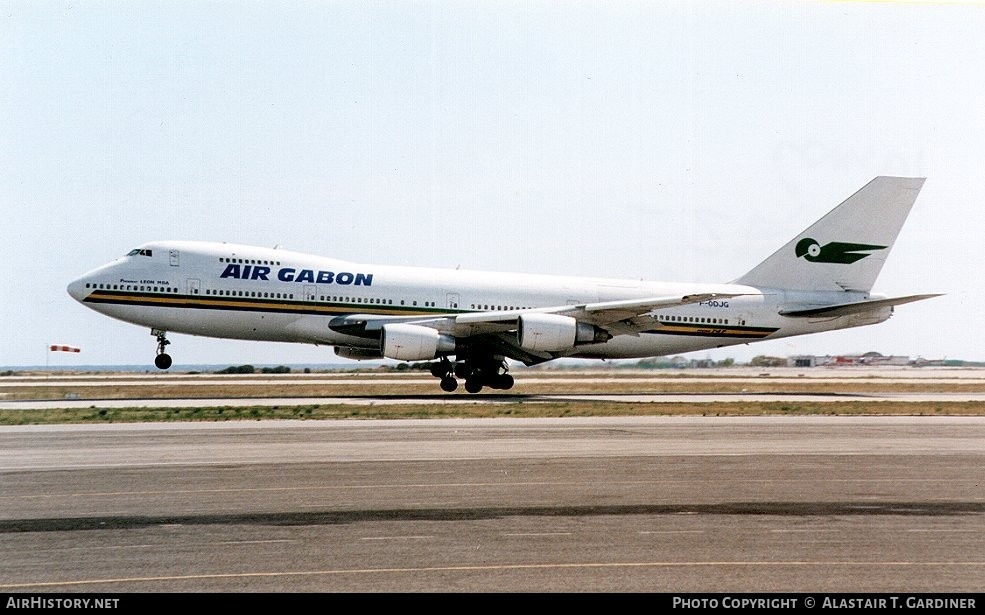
pixel 919 180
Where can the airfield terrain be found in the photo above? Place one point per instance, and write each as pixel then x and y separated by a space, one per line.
pixel 109 397
pixel 733 480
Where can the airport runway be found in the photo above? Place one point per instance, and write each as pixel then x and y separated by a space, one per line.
pixel 650 504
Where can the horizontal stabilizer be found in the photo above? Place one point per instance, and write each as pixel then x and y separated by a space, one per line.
pixel 841 309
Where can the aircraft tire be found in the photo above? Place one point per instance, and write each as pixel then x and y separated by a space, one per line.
pixel 504 382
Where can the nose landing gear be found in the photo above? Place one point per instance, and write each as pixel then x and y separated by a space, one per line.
pixel 163 359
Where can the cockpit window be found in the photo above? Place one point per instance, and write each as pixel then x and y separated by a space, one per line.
pixel 139 252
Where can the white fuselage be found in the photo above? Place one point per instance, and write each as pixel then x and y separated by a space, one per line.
pixel 242 292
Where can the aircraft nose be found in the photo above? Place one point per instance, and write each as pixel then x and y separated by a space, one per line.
pixel 77 289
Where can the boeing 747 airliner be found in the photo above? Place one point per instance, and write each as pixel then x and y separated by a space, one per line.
pixel 470 322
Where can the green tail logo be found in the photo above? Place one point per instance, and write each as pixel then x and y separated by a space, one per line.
pixel 834 252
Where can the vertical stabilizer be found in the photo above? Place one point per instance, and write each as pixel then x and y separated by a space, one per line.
pixel 846 249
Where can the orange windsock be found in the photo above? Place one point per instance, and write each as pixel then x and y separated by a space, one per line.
pixel 64 348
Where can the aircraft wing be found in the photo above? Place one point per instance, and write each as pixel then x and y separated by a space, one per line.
pixel 841 309
pixel 602 314
pixel 493 329
pixel 629 316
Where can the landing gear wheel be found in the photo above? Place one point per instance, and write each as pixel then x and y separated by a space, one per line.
pixel 503 381
pixel 448 384
pixel 473 384
pixel 162 361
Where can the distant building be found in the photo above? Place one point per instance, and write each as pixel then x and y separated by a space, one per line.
pixel 802 361
pixel 868 359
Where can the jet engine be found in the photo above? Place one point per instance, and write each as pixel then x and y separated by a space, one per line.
pixel 414 342
pixel 553 332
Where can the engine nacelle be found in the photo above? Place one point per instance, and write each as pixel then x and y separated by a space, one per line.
pixel 414 342
pixel 554 333
pixel 359 354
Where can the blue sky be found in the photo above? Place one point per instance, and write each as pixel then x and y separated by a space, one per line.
pixel 679 141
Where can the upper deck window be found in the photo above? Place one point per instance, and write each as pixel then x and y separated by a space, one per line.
pixel 139 252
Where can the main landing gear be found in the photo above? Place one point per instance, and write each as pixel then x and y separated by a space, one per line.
pixel 163 359
pixel 477 374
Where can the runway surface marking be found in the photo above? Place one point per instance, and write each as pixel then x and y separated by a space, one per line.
pixel 673 532
pixel 421 537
